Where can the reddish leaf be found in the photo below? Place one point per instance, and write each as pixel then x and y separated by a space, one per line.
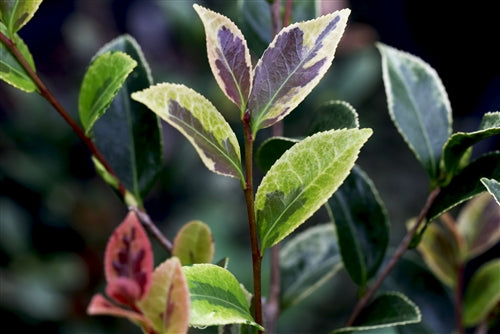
pixel 129 257
pixel 99 305
pixel 124 290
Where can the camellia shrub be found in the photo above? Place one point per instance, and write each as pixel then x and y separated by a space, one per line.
pixel 122 110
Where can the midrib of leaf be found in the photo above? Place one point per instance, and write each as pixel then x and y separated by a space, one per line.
pixel 106 91
pixel 222 301
pixel 268 105
pixel 9 27
pixel 426 139
pixel 208 141
pixel 312 182
pixel 243 102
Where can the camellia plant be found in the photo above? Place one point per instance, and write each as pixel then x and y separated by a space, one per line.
pixel 120 110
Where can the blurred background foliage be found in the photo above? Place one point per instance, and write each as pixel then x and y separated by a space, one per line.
pixel 56 214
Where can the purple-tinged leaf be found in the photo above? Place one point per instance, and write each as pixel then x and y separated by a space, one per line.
pixel 228 56
pixel 200 122
pixel 128 261
pixel 99 305
pixel 292 66
pixel 167 302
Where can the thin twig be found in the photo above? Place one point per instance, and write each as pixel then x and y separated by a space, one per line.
pixel 148 223
pixel 44 91
pixel 403 246
pixel 273 305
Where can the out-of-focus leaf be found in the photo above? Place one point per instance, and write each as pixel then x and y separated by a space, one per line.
pixel 479 224
pixel 129 261
pixel 167 303
pixel 99 305
pixel 418 105
pixel 442 252
pixel 459 144
pixel 386 310
pixel 292 66
pixel 194 243
pixel 216 297
pixel 16 13
pixel 10 70
pixel 483 293
pixel 271 150
pixel 129 134
pixel 466 184
pixel 228 56
pixel 334 115
pixel 102 81
pixel 307 261
pixel 362 226
pixel 257 16
pixel 303 179
pixel 493 187
pixel 198 120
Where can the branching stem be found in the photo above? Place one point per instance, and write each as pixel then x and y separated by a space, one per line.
pixel 403 246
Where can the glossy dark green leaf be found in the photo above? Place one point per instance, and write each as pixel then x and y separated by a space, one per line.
pixel 271 150
pixel 307 261
pixel 10 70
pixel 418 105
pixel 334 115
pixel 386 310
pixel 466 184
pixel 458 144
pixel 102 81
pixel 129 134
pixel 16 13
pixel 362 225
pixel 483 293
pixel 493 187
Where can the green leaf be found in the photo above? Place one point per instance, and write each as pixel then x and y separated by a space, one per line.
pixel 167 303
pixel 271 150
pixel 308 261
pixel 292 66
pixel 458 144
pixel 198 120
pixel 303 179
pixel 493 187
pixel 10 70
pixel 129 134
pixel 257 16
pixel 228 56
pixel 466 184
pixel 101 83
pixel 387 310
pixel 483 293
pixel 362 226
pixel 194 243
pixel 16 13
pixel 479 224
pixel 216 297
pixel 441 252
pixel 418 105
pixel 334 115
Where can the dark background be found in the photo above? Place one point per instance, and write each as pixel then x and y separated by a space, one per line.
pixel 56 214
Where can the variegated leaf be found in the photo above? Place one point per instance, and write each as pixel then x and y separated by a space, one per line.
pixel 128 261
pixel 228 56
pixel 303 179
pixel 198 120
pixel 292 66
pixel 167 302
pixel 16 13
